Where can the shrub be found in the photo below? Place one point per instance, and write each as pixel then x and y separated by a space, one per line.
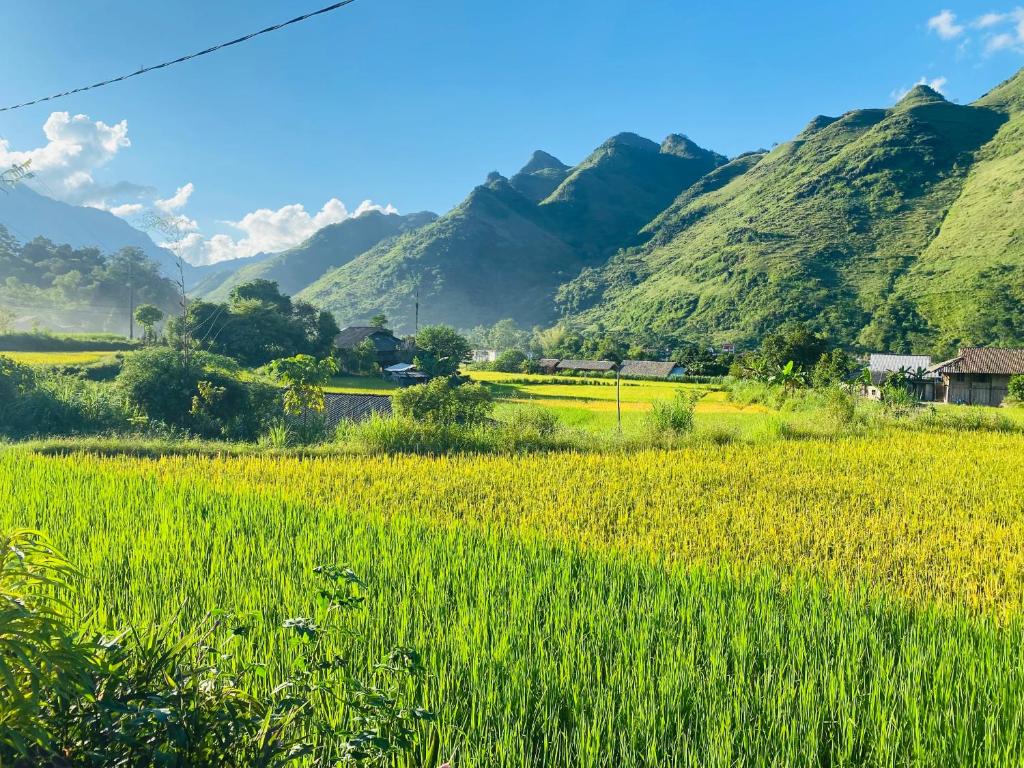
pixel 1016 389
pixel 510 361
pixel 78 342
pixel 673 417
pixel 443 401
pixel 207 397
pixel 73 697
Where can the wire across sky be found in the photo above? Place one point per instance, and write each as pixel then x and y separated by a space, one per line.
pixel 182 59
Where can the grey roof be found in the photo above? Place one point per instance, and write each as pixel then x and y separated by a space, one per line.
pixel 399 368
pixel 548 362
pixel 586 365
pixel 354 335
pixel 982 360
pixel 654 369
pixel 882 364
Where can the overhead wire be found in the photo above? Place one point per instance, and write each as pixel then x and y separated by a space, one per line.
pixel 181 59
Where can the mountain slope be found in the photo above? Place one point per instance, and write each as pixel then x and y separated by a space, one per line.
pixel 491 257
pixel 621 186
pixel 28 214
pixel 330 247
pixel 508 247
pixel 823 228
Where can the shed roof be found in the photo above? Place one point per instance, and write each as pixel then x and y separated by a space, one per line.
pixel 984 360
pixel 880 364
pixel 354 335
pixel 586 365
pixel 548 362
pixel 651 368
pixel 399 368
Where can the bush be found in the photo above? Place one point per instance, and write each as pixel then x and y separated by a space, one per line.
pixel 207 398
pixel 77 342
pixel 510 361
pixel 154 696
pixel 34 403
pixel 672 417
pixel 1016 389
pixel 402 434
pixel 443 401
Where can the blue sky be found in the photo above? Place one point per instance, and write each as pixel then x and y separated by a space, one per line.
pixel 412 103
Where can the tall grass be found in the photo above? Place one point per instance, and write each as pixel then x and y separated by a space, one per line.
pixel 844 603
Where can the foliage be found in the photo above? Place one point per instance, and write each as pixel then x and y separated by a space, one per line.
pixel 163 697
pixel 503 336
pixel 305 377
pixel 793 342
pixel 1015 389
pixel 380 320
pixel 7 318
pixel 257 326
pixel 835 367
pixel 76 342
pixel 674 417
pixel 148 316
pixel 443 401
pixel 442 350
pixel 74 286
pixel 207 397
pixel 511 361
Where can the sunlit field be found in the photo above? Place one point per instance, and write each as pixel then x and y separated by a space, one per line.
pixel 832 602
pixel 57 358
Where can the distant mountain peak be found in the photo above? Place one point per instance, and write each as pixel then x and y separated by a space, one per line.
pixel 542 161
pixel 681 145
pixel 921 94
pixel 630 140
pixel 817 123
pixel 1008 95
pixel 494 179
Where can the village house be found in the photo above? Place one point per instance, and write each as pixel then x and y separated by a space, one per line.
pixel 923 382
pixel 979 376
pixel 548 365
pixel 650 369
pixel 405 374
pixel 389 348
pixel 585 366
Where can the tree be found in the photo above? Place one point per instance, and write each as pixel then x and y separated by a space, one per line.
pixel 379 321
pixel 835 367
pixel 147 316
pixel 793 342
pixel 441 402
pixel 442 350
pixel 264 291
pixel 510 361
pixel 7 318
pixel 206 396
pixel 305 377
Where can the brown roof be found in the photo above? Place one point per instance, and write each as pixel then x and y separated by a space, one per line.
pixel 654 369
pixel 586 365
pixel 548 362
pixel 984 360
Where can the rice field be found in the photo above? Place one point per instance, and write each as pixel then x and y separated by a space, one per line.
pixel 57 358
pixel 824 602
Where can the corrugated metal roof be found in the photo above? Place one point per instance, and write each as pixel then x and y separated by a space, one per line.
pixel 651 368
pixel 586 365
pixel 984 360
pixel 887 362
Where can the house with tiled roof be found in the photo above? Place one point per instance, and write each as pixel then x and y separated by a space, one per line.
pixel 979 375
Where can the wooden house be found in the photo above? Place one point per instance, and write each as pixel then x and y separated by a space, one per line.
pixel 915 369
pixel 979 376
pixel 389 348
pixel 648 369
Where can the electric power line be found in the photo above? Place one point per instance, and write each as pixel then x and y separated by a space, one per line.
pixel 181 59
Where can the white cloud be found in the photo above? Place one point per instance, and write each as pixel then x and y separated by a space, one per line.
pixel 177 201
pixel 945 26
pixel 936 84
pixel 75 148
pixel 267 231
pixel 997 31
pixel 127 210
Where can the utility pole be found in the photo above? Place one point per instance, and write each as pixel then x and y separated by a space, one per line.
pixel 618 396
pixel 417 309
pixel 131 301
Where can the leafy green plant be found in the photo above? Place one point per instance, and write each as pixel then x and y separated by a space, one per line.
pixel 673 417
pixel 443 401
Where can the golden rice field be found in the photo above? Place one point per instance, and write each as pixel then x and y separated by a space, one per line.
pixel 846 602
pixel 57 358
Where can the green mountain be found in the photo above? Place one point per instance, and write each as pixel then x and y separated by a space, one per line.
pixel 508 247
pixel 876 226
pixel 330 247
